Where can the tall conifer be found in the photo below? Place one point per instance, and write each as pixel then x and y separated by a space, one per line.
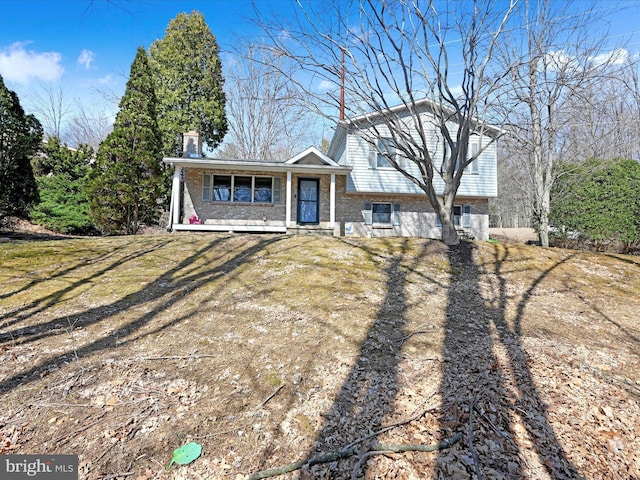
pixel 20 138
pixel 190 83
pixel 126 182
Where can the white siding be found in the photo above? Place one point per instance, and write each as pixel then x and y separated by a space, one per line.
pixel 355 153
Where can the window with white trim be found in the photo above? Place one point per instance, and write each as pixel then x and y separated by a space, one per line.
pixel 379 156
pixel 457 215
pixel 221 188
pixel 381 213
pixel 461 216
pixel 474 147
pixel 472 151
pixel 241 188
pixel 386 150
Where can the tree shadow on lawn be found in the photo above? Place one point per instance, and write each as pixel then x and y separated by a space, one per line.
pixel 367 394
pixel 162 293
pixel 488 392
pixel 38 305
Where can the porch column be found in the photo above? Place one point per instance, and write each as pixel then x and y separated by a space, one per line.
pixel 288 200
pixel 332 201
pixel 175 196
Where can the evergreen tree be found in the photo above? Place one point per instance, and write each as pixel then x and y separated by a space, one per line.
pixel 600 199
pixel 125 183
pixel 20 138
pixel 189 82
pixel 61 175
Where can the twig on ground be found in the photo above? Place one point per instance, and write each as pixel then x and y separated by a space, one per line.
pixel 498 431
pixel 179 357
pixel 413 418
pixel 363 459
pixel 347 452
pixel 271 396
pixel 474 454
pixel 116 475
pixel 407 337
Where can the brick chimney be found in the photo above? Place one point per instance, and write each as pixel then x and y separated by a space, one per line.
pixel 191 144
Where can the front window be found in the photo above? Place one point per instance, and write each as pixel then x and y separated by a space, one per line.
pixel 206 187
pixel 263 190
pixel 222 188
pixel 381 213
pixel 242 189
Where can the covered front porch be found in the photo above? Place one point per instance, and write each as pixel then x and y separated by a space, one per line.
pixel 298 196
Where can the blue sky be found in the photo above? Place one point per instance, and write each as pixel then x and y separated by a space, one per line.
pixel 86 47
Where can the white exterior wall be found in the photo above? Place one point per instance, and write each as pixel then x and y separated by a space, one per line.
pixel 417 218
pixel 363 178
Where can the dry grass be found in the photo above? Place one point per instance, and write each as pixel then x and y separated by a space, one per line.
pixel 123 349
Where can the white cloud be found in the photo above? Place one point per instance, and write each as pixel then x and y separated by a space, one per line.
pixel 20 65
pixel 85 58
pixel 619 56
pixel 557 60
pixel 326 85
pixel 107 79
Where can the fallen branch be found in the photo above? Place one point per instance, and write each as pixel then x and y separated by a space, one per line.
pixel 179 357
pixel 407 337
pixel 271 396
pixel 117 475
pixel 347 452
pixel 386 448
pixel 474 455
pixel 413 418
pixel 416 447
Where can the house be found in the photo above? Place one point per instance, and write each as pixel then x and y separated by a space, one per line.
pixel 352 190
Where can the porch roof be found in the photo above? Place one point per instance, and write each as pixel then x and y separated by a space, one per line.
pixel 309 161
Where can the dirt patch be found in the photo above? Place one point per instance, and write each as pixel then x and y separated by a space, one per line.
pixel 271 349
pixel 511 236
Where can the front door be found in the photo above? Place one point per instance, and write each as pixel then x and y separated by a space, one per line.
pixel 308 201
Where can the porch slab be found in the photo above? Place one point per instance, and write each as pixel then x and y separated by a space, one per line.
pixel 228 228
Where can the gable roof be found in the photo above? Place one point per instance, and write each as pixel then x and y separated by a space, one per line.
pixel 423 104
pixel 312 156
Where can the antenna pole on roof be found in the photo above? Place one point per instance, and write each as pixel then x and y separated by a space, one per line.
pixel 342 87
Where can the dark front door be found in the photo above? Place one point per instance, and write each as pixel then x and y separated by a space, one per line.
pixel 308 201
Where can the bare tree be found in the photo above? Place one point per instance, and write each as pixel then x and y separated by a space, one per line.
pixel 511 208
pixel 89 127
pixel 268 118
pixel 399 53
pixel 612 129
pixel 556 59
pixel 51 106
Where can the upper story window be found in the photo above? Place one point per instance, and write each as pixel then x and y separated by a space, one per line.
pixel 379 155
pixel 386 150
pixel 472 151
pixel 474 146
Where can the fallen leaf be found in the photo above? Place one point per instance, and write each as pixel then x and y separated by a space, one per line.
pixel 186 454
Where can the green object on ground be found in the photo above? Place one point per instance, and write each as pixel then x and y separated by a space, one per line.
pixel 186 454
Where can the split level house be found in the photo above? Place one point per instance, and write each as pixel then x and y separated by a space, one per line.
pixel 352 190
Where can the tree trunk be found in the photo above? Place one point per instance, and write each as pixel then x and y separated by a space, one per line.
pixel 449 234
